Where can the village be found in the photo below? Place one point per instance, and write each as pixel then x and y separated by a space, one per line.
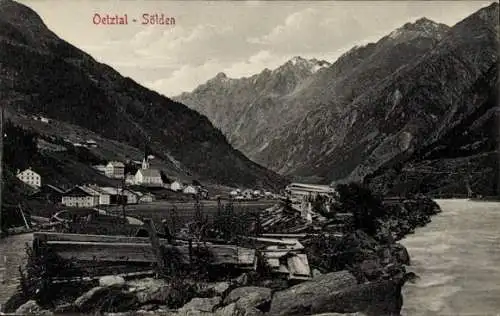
pixel 146 179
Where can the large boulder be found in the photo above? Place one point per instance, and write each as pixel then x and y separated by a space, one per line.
pixel 371 269
pixel 250 300
pixel 204 305
pixel 298 299
pixel 229 310
pixel 101 299
pixel 213 289
pixel 150 290
pixel 400 253
pixel 338 292
pixel 32 308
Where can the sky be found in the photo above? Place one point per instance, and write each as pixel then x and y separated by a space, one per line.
pixel 239 38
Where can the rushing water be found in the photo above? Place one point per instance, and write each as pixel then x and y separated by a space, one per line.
pixel 457 257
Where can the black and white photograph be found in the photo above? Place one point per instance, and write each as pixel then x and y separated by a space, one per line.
pixel 249 158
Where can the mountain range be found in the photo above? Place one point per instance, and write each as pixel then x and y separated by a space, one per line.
pixel 42 74
pixel 406 100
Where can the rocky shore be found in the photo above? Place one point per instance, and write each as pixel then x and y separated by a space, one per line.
pixel 358 274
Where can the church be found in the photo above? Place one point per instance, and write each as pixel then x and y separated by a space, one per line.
pixel 146 176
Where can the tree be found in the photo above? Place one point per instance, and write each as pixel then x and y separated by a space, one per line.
pixel 366 208
pixel 164 177
pixel 130 168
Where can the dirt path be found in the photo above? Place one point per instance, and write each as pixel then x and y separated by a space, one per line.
pixel 12 255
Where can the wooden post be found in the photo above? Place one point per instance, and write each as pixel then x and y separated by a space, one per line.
pixel 24 217
pixel 168 234
pixel 219 206
pixel 124 200
pixel 173 217
pixel 155 243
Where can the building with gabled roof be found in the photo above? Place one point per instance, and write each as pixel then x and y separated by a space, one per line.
pixel 115 170
pixel 80 196
pixel 148 177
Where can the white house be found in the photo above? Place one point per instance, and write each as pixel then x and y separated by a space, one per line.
pixel 190 189
pixel 176 186
pixel 148 177
pixel 115 169
pixel 30 177
pixel 233 193
pixel 257 193
pixel 80 196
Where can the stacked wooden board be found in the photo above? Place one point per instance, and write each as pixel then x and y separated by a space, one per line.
pixel 121 249
pixel 281 219
pixel 284 254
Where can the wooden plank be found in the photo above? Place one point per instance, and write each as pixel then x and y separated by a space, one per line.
pixel 299 278
pixel 274 254
pixel 283 269
pixel 273 263
pixel 299 265
pixel 296 246
pixel 274 241
pixel 94 278
pixel 142 252
pixel 90 238
pixel 51 236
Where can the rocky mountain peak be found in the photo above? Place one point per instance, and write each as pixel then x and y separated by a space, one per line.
pixel 221 75
pixel 303 64
pixel 422 27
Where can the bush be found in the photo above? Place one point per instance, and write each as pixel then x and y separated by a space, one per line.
pixel 366 207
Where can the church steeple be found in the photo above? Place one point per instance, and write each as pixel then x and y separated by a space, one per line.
pixel 145 160
pixel 145 163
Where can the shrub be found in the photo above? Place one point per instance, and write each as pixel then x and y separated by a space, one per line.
pixel 366 207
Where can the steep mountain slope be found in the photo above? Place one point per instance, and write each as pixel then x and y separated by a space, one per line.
pixel 256 113
pixel 249 110
pixel 41 73
pixel 419 114
pixel 463 160
pixel 421 104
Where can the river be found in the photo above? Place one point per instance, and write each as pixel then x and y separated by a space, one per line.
pixel 457 257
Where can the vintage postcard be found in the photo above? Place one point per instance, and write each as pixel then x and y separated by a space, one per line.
pixel 280 158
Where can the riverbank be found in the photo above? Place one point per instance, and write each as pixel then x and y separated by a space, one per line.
pixel 354 273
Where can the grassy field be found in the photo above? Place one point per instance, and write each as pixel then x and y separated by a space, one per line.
pixel 183 212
